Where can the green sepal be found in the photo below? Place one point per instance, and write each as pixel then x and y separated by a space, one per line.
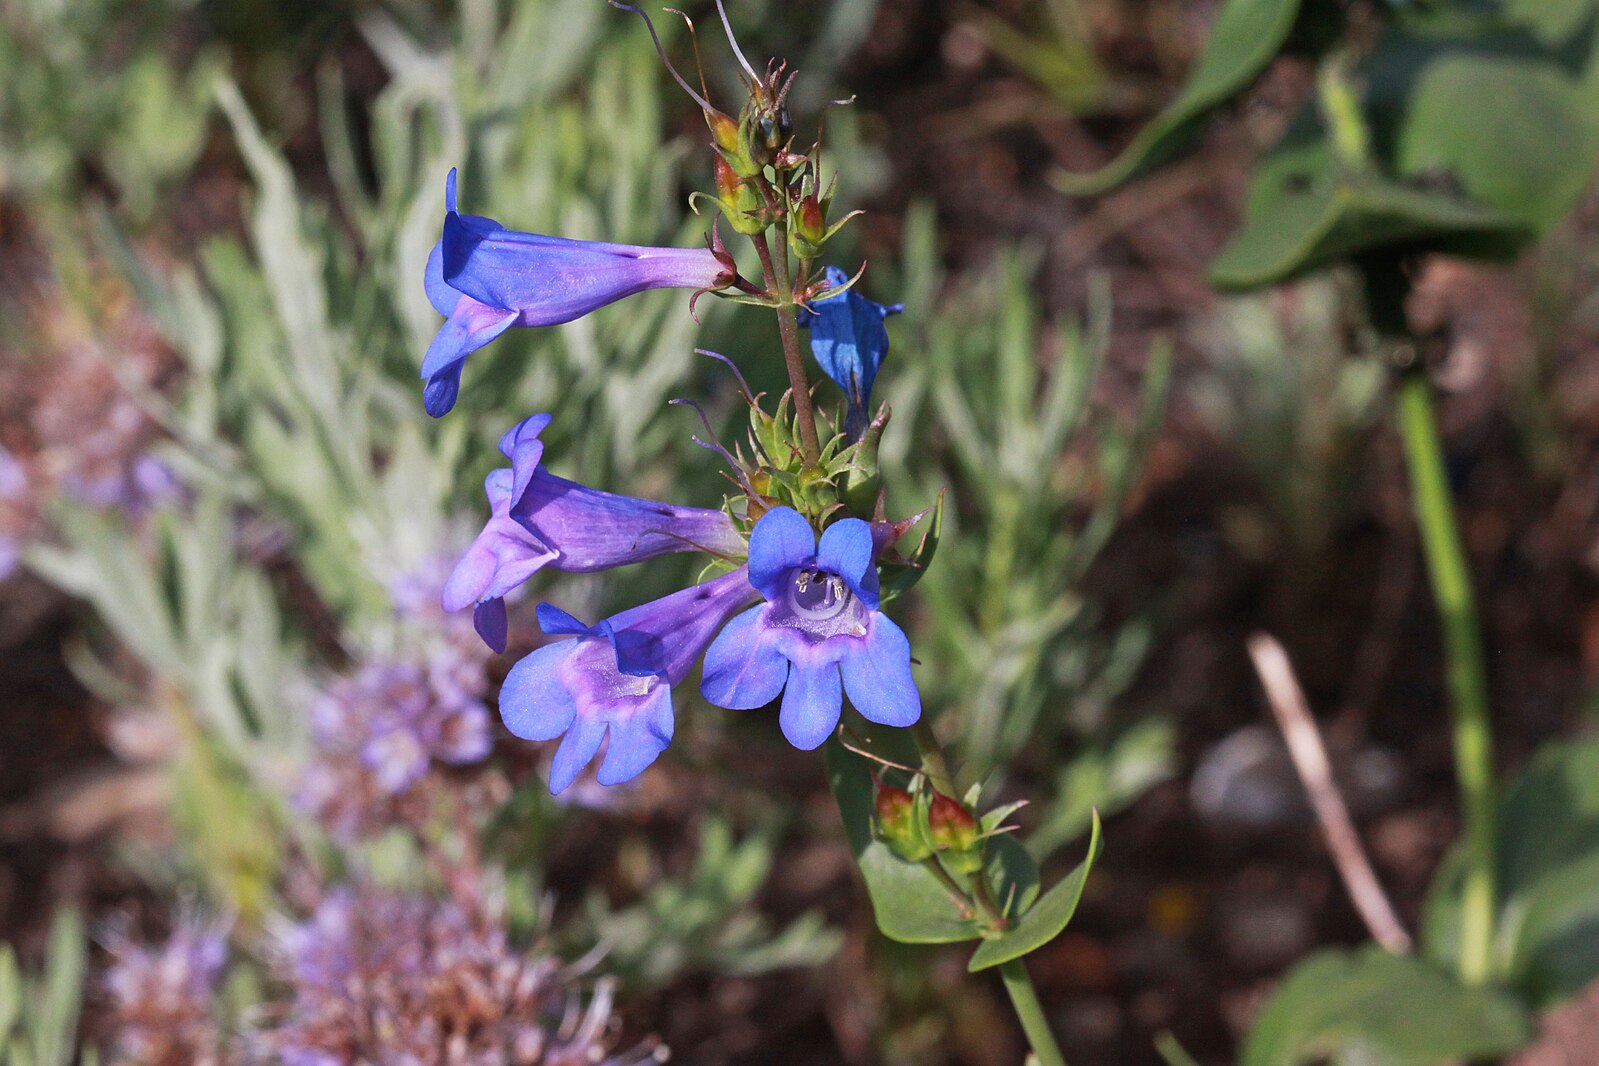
pixel 898 578
pixel 1045 919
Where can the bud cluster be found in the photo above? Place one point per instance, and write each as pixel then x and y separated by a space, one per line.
pixel 922 823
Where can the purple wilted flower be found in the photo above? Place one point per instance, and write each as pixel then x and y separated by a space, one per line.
pixel 541 520
pixel 485 279
pixel 850 343
pixel 379 976
pixel 161 997
pixel 616 678
pixel 820 633
pixel 378 731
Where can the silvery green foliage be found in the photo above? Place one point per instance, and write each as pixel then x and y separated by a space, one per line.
pixel 141 120
pixel 1038 475
pixel 39 1013
pixel 704 923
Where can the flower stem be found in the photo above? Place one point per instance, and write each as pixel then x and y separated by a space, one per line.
pixel 777 280
pixel 1457 610
pixel 1031 1013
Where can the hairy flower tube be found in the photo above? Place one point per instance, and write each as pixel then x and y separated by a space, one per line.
pixel 850 343
pixel 485 279
pixel 541 520
pixel 615 679
pixel 818 635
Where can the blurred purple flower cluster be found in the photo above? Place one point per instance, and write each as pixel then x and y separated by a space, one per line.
pixel 381 976
pixel 379 732
pixel 161 997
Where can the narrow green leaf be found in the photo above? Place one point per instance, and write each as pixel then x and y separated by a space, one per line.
pixel 1044 921
pixel 1247 35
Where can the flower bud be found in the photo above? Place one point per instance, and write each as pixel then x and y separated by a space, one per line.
pixel 809 228
pixel 724 131
pixel 896 823
pixel 955 833
pixel 741 204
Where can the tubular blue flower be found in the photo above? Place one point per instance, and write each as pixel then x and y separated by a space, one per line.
pixel 541 520
pixel 850 342
pixel 615 679
pixel 485 279
pixel 818 635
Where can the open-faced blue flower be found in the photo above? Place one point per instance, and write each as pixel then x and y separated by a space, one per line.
pixel 850 342
pixel 615 679
pixel 541 520
pixel 485 279
pixel 818 635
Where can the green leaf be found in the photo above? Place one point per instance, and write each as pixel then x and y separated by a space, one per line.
pixel 1305 210
pixel 1377 1009
pixel 1529 156
pixel 1246 36
pixel 908 901
pixel 1548 865
pixel 1044 921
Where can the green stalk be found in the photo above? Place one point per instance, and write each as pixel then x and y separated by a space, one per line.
pixel 775 270
pixel 1457 611
pixel 1025 999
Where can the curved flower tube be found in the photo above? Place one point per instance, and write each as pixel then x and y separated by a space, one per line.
pixel 850 343
pixel 819 635
pixel 541 520
pixel 485 279
pixel 615 680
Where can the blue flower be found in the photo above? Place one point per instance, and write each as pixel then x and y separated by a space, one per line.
pixel 850 342
pixel 819 635
pixel 541 520
pixel 485 279
pixel 615 679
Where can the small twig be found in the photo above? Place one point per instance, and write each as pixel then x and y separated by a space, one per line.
pixel 1299 730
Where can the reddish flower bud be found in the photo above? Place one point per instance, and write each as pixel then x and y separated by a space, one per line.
pixel 728 183
pixel 951 825
pixel 896 823
pixel 810 221
pixel 724 131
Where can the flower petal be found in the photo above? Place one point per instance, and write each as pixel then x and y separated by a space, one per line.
pixel 576 751
pixel 503 556
pixel 781 541
pixel 488 618
pixel 557 622
pixel 470 326
pixel 742 668
pixel 877 676
pixel 812 703
pixel 534 702
pixel 441 294
pixel 846 550
pixel 638 739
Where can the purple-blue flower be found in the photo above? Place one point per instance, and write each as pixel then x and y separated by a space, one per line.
pixel 485 279
pixel 541 520
pixel 615 679
pixel 818 636
pixel 850 342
